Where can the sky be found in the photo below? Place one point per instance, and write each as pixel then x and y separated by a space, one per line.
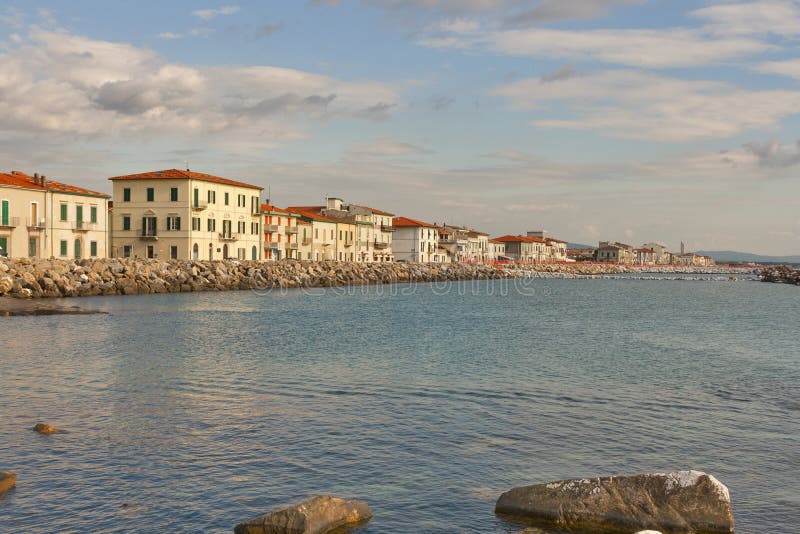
pixel 625 120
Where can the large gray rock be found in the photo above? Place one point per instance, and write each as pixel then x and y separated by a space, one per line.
pixel 679 502
pixel 314 516
pixel 7 481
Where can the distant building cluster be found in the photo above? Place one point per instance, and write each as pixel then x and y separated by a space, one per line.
pixel 182 214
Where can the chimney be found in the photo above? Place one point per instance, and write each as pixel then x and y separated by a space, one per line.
pixel 36 178
pixel 41 180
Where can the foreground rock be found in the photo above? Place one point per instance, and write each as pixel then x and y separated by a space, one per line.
pixel 7 481
pixel 781 275
pixel 679 502
pixel 45 429
pixel 314 516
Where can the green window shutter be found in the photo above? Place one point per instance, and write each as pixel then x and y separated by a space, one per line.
pixel 63 212
pixel 173 194
pixel 126 223
pixel 93 248
pixel 63 247
pixel 196 197
pixel 226 199
pixel 126 194
pixel 144 225
pixel 177 223
pixel 4 213
pixel 93 214
pixel 79 213
pixel 151 194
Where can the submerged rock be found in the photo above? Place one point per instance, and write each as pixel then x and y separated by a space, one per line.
pixel 315 516
pixel 679 502
pixel 43 428
pixel 8 480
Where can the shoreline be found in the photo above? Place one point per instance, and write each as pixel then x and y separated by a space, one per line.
pixel 53 278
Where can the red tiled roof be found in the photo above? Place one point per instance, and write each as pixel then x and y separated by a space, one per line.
pixel 497 242
pixel 20 179
pixel 373 210
pixel 176 174
pixel 518 239
pixel 554 240
pixel 270 207
pixel 406 222
pixel 312 212
pixel 648 250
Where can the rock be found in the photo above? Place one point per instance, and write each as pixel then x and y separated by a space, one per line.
pixel 315 516
pixel 8 480
pixel 45 429
pixel 679 502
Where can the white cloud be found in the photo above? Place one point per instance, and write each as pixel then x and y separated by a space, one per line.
pixel 384 147
pixel 556 10
pixel 208 14
pixel 633 104
pixel 61 83
pixel 169 35
pixel 778 17
pixel 789 67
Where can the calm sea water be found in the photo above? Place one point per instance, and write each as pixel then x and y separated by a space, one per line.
pixel 190 413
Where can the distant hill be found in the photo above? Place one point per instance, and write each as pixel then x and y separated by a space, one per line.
pixel 747 257
pixel 576 245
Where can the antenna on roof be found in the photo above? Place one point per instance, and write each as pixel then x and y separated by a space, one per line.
pixel 186 164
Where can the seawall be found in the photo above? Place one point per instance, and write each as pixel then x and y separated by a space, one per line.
pixel 42 278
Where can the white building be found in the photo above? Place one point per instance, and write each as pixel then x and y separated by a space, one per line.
pixel 186 215
pixel 416 241
pixel 40 217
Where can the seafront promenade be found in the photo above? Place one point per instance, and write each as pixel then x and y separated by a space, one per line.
pixel 39 278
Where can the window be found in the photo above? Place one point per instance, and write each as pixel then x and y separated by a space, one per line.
pixel 126 222
pixel 4 210
pixel 151 251
pixel 212 225
pixel 93 248
pixel 126 194
pixel 173 194
pixel 63 215
pixel 212 197
pixel 173 223
pixel 126 251
pixel 226 199
pixel 151 194
pixel 63 247
pixel 93 214
pixel 240 227
pixel 340 235
pixel 316 233
pixel 196 224
pixel 173 252
pixel 149 227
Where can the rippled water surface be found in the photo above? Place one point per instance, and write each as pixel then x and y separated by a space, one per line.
pixel 192 412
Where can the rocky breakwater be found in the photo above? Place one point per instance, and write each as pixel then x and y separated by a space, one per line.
pixel 37 278
pixel 679 502
pixel 781 274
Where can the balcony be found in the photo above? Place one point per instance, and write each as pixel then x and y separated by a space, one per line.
pixel 387 228
pixel 293 246
pixel 228 236
pixel 148 234
pixel 306 241
pixel 291 229
pixel 269 245
pixel 83 226
pixel 269 228
pixel 348 243
pixel 199 206
pixel 380 246
pixel 36 225
pixel 9 222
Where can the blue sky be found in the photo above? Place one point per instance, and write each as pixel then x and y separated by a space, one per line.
pixel 630 120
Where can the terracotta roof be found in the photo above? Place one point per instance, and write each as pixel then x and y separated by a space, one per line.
pixel 176 174
pixel 20 179
pixel 312 212
pixel 648 250
pixel 406 222
pixel 518 239
pixel 497 242
pixel 373 210
pixel 554 240
pixel 275 209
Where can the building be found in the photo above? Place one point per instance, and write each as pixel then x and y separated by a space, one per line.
pixel 44 218
pixel 692 260
pixel 581 254
pixel 645 256
pixel 556 249
pixel 526 249
pixel 663 255
pixel 281 240
pixel 416 241
pixel 186 215
pixel 497 250
pixel 321 245
pixel 613 252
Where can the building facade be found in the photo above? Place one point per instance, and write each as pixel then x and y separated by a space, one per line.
pixel 176 214
pixel 524 249
pixel 613 252
pixel 281 239
pixel 415 241
pixel 44 218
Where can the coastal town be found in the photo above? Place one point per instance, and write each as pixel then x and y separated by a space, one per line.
pixel 187 215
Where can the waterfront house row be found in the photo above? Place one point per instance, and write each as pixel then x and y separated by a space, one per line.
pixel 40 217
pixel 647 254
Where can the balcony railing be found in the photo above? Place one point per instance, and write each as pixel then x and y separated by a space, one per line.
pixel 387 228
pixel 9 222
pixel 148 234
pixel 306 241
pixel 271 228
pixel 291 229
pixel 36 224
pixel 380 245
pixel 224 236
pixel 348 242
pixel 293 246
pixel 199 206
pixel 83 226
pixel 269 245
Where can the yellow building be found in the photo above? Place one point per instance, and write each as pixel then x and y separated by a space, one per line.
pixel 185 215
pixel 40 217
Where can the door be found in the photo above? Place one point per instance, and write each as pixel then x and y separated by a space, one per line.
pixel 77 249
pixel 32 247
pixel 210 251
pixel 151 251
pixel 4 214
pixel 224 252
pixel 3 245
pixel 195 252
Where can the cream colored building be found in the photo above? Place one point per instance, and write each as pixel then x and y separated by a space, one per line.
pixel 177 214
pixel 281 239
pixel 416 241
pixel 663 255
pixel 40 217
pixel 322 244
pixel 497 250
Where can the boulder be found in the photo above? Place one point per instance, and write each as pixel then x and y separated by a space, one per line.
pixel 45 429
pixel 7 481
pixel 315 516
pixel 678 502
